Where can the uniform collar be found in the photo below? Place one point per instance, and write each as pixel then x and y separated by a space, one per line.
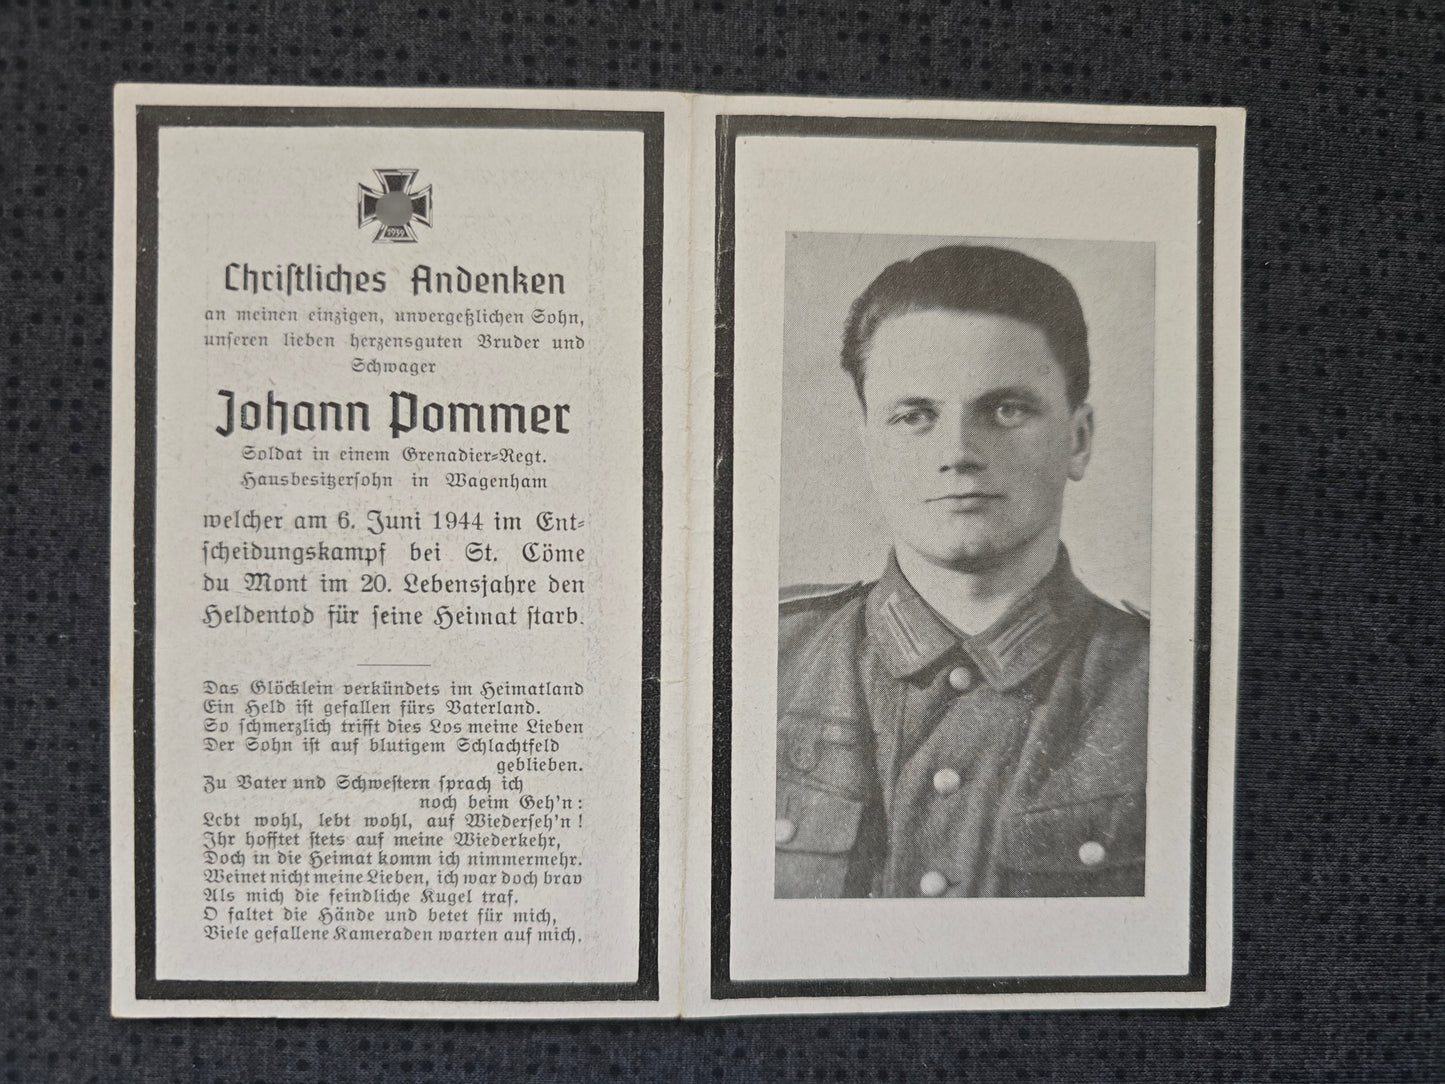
pixel 912 637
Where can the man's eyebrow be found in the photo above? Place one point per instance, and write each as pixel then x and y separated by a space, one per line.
pixel 913 401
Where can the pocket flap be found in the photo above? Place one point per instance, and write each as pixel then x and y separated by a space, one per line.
pixel 814 820
pixel 805 740
pixel 1081 837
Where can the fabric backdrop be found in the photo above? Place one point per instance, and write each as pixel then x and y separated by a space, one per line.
pixel 1339 894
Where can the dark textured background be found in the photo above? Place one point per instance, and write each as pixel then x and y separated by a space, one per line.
pixel 1339 895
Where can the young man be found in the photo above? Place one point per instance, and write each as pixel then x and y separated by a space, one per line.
pixel 973 723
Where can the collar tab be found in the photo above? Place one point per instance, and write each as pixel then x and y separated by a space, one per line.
pixel 912 638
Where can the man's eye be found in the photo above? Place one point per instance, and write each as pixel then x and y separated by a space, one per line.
pixel 915 418
pixel 1010 415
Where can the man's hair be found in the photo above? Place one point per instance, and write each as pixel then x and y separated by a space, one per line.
pixel 974 278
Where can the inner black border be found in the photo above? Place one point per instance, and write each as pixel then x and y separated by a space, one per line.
pixel 149 121
pixel 729 129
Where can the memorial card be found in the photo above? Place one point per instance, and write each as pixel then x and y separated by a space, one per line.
pixel 610 554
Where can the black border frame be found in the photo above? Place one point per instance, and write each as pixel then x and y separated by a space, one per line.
pixel 729 128
pixel 149 120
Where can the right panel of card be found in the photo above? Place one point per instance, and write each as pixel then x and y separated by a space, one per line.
pixel 974 556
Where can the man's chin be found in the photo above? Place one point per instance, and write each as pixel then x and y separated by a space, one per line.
pixel 972 558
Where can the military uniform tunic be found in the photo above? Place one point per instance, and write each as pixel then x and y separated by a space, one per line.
pixel 915 761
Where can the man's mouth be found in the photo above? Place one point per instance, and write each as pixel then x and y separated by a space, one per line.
pixel 964 502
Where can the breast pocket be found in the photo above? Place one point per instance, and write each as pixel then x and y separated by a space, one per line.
pixel 815 833
pixel 824 777
pixel 1093 847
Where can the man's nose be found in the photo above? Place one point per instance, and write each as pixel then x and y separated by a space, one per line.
pixel 962 448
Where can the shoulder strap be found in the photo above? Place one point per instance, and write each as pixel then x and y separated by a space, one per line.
pixel 801 595
pixel 1135 610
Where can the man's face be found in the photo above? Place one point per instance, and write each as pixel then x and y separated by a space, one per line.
pixel 970 437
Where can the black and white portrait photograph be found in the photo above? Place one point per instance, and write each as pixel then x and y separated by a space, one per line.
pixel 963 647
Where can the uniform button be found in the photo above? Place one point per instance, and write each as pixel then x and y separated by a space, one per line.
pixel 837 734
pixel 802 752
pixel 784 830
pixel 1091 853
pixel 946 781
pixel 960 678
pixel 933 883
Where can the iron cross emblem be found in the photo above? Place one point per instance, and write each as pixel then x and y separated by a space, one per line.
pixel 395 206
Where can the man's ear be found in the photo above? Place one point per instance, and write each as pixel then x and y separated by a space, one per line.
pixel 1083 437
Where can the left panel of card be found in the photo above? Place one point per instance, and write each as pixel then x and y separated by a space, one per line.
pixel 387 600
